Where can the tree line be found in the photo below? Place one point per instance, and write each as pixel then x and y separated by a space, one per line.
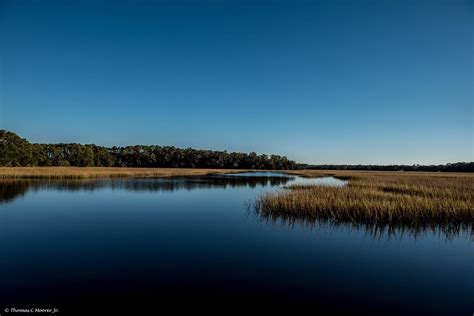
pixel 16 151
pixel 450 167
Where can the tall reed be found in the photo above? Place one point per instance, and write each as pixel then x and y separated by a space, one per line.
pixel 101 172
pixel 416 200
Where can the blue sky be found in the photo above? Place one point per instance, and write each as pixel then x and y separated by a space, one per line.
pixel 318 81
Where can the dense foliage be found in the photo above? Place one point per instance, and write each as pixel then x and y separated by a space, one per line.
pixel 16 151
pixel 451 167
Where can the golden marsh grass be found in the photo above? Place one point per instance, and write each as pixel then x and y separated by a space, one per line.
pixel 102 172
pixel 394 199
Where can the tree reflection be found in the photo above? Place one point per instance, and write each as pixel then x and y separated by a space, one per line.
pixel 12 189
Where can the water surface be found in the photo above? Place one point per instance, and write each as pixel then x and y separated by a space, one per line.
pixel 140 244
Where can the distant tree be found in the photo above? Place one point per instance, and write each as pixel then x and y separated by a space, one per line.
pixel 14 150
pixel 63 163
pixel 102 156
pixel 450 167
pixel 39 156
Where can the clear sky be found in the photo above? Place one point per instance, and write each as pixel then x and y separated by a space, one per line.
pixel 318 81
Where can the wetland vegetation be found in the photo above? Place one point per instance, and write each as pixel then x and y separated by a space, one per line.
pixel 414 200
pixel 103 172
pixel 379 199
pixel 151 233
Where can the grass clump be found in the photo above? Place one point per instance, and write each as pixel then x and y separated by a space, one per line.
pixel 102 172
pixel 414 201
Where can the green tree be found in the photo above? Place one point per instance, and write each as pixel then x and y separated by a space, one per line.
pixel 14 150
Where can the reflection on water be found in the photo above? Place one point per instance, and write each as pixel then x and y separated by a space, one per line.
pixel 309 221
pixel 376 231
pixel 149 243
pixel 258 174
pixel 9 190
pixel 326 181
pixel 12 189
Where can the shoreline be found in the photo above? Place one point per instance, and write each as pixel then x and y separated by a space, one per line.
pixel 11 173
pixel 126 172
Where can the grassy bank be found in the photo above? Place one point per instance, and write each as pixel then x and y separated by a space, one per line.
pixel 415 200
pixel 99 172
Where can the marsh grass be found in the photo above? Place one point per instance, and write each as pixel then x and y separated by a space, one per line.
pixel 374 231
pixel 417 201
pixel 102 172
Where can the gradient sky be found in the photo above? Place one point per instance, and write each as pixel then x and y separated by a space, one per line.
pixel 318 81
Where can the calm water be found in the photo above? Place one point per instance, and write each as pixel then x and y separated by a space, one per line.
pixel 187 243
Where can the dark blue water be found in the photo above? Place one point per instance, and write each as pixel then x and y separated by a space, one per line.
pixel 138 245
